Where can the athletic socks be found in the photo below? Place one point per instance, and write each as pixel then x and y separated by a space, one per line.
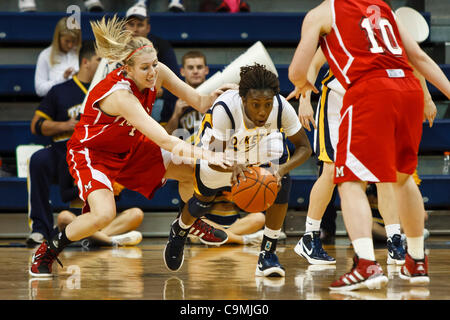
pixel 60 241
pixel 415 247
pixel 312 225
pixel 392 229
pixel 183 226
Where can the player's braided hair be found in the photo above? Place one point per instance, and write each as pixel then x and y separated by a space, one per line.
pixel 257 77
pixel 115 43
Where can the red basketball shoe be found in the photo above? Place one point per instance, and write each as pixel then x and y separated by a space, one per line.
pixel 207 234
pixel 416 271
pixel 364 274
pixel 42 260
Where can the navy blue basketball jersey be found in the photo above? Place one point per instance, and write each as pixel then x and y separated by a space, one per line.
pixel 63 101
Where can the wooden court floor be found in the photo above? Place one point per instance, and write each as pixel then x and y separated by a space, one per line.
pixel 223 273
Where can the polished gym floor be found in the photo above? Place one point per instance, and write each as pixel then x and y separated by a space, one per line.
pixel 208 273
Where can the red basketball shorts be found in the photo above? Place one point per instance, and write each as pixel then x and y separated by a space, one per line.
pixel 141 170
pixel 380 130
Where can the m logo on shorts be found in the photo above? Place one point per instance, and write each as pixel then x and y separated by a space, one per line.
pixel 339 171
pixel 87 186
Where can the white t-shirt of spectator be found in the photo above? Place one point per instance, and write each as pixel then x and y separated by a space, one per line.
pixel 47 75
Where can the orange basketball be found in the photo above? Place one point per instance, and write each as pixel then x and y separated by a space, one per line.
pixel 257 193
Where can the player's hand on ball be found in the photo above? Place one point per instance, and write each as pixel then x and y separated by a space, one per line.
pixel 238 172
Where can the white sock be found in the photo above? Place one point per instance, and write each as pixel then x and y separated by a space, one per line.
pixel 364 248
pixel 312 225
pixel 415 247
pixel 182 225
pixel 272 234
pixel 392 229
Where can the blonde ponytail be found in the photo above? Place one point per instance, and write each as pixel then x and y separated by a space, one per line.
pixel 114 42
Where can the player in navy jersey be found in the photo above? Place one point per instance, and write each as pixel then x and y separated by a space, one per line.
pixel 56 117
pixel 252 123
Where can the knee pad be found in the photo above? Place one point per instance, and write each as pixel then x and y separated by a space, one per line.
pixel 285 190
pixel 198 208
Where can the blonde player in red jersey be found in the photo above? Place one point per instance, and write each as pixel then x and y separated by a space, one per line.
pixel 117 140
pixel 368 51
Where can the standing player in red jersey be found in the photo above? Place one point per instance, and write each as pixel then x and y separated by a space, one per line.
pixel 116 140
pixel 368 51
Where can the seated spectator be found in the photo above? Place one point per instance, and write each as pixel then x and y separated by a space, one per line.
pixel 194 70
pixel 58 62
pixel 173 6
pixel 55 117
pixel 184 122
pixel 120 232
pixel 138 22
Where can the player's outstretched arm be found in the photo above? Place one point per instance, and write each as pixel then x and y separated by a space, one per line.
pixel 185 92
pixel 124 103
pixel 305 109
pixel 430 110
pixel 317 22
pixel 423 63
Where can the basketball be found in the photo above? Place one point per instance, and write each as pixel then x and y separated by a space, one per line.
pixel 257 193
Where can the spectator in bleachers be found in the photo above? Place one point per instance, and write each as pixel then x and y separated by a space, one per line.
pixel 58 62
pixel 173 5
pixel 30 5
pixel 194 69
pixel 56 116
pixel 184 122
pixel 138 22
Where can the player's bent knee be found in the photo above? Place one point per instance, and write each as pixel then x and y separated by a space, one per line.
pixel 101 220
pixel 64 218
pixel 137 215
pixel 198 208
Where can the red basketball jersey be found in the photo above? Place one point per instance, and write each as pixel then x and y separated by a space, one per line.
pixel 364 40
pixel 99 131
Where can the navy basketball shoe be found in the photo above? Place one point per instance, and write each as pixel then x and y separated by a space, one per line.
pixel 174 251
pixel 310 248
pixel 396 250
pixel 268 265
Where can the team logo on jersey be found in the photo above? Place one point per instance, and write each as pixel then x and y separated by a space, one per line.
pixel 88 186
pixel 74 111
pixel 339 171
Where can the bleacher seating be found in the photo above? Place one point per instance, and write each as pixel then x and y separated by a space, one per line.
pixel 182 29
pixel 273 29
pixel 14 192
pixel 18 80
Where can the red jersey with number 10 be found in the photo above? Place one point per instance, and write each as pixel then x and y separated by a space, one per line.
pixel 99 131
pixel 364 38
